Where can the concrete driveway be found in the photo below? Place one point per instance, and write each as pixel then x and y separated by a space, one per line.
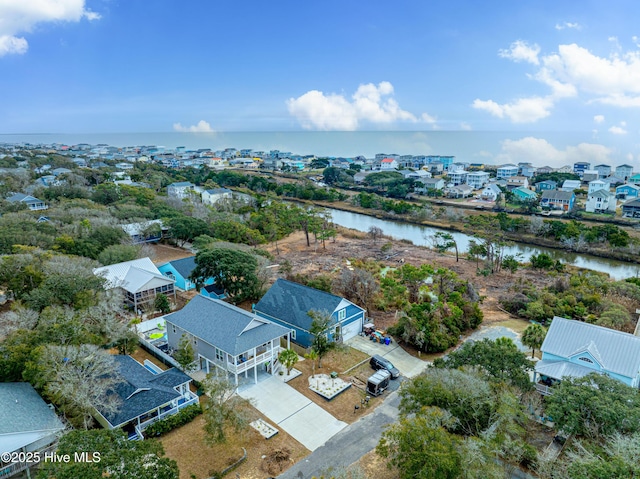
pixel 408 366
pixel 300 417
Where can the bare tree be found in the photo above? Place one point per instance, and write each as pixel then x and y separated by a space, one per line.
pixel 375 233
pixel 359 286
pixel 224 408
pixel 78 379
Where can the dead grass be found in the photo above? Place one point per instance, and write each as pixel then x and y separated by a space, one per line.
pixel 163 253
pixel 195 458
pixel 342 407
pixel 375 467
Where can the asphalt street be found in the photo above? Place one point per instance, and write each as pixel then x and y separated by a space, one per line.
pixel 350 444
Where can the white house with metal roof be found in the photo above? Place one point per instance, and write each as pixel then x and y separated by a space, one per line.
pixel 27 424
pixel 226 338
pixel 139 280
pixel 575 349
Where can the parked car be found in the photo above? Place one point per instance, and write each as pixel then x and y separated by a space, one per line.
pixel 378 362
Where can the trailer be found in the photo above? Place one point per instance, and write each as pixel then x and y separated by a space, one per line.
pixel 378 382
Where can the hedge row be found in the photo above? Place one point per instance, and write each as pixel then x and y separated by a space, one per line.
pixel 169 423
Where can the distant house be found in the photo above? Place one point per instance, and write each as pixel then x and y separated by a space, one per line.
pixel 506 171
pixel 180 190
pixel 524 194
pixel 426 184
pixel 388 164
pixel 477 179
pixel 212 196
pixel 557 200
pixel 458 177
pixel 27 424
pixel 517 182
pixel 596 185
pixel 579 167
pixel 575 349
pixel 631 208
pixel 546 185
pixel 590 175
pixel 459 191
pixel 145 232
pixel 490 192
pixel 146 394
pixel 60 171
pixel 570 185
pixel 624 172
pixel 543 170
pixel 603 170
pixel 34 204
pixel 124 166
pixel 139 280
pixel 614 180
pixel 628 191
pixel 180 271
pixel 635 179
pixel 226 338
pixel 601 201
pixel 288 304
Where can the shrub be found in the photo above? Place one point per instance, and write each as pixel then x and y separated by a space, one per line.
pixel 169 423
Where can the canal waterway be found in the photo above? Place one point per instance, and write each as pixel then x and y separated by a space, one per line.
pixel 423 236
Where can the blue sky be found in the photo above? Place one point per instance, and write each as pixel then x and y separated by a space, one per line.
pixel 530 69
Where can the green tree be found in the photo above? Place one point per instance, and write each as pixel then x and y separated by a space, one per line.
pixel 321 322
pixel 510 263
pixel 161 303
pixel 445 241
pixel 223 409
pixel 594 406
pixel 186 228
pixel 185 354
pixel 235 271
pixel 118 253
pixel 533 337
pixel 112 454
pixel 289 358
pixel 500 359
pixel 421 448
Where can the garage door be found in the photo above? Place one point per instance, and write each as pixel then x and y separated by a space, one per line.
pixel 352 329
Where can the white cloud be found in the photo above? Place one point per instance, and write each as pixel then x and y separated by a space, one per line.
pixel 568 25
pixel 523 110
pixel 520 51
pixel 465 126
pixel 618 130
pixel 200 127
pixel 370 103
pixel 541 152
pixel 598 118
pixel 21 16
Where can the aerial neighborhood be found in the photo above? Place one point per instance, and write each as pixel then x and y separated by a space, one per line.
pixel 206 312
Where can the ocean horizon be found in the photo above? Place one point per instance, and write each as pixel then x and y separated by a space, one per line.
pixel 470 146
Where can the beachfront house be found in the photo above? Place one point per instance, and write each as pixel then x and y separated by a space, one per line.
pixel 458 177
pixel 603 170
pixel 27 425
pixel 288 304
pixel 575 349
pixel 507 171
pixel 139 280
pixel 596 185
pixel 477 179
pixel 33 203
pixel 227 339
pixel 145 395
pixel 579 167
pixel 624 172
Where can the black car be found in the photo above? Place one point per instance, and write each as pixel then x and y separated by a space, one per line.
pixel 378 362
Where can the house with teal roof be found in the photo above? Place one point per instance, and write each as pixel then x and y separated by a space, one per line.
pixel 524 194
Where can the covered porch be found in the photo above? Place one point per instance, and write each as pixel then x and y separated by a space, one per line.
pixel 549 373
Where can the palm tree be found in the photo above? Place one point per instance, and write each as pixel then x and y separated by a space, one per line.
pixel 288 357
pixel 533 336
pixel 313 357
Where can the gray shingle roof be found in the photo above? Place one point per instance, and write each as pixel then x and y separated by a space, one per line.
pixel 557 195
pixel 291 302
pixel 154 390
pixel 24 416
pixel 617 352
pixel 225 326
pixel 184 266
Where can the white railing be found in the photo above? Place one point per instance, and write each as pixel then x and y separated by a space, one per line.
pixel 193 399
pixel 250 363
pixel 544 390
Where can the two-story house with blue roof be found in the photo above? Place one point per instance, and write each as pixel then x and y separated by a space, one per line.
pixel 226 338
pixel 575 349
pixel 288 304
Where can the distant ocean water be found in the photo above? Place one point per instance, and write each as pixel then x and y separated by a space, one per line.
pixel 470 146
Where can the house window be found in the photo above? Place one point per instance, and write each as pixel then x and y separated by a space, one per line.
pixel 342 314
pixel 219 354
pixel 174 329
pixel 293 334
pixel 586 360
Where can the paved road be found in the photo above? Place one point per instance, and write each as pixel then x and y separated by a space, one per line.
pixel 349 445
